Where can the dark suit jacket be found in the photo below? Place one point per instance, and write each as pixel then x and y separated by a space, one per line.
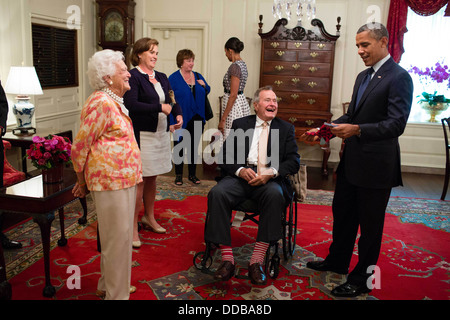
pixel 281 136
pixel 373 159
pixel 3 110
pixel 3 118
pixel 142 101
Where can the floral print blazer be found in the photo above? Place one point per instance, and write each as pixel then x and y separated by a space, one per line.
pixel 105 147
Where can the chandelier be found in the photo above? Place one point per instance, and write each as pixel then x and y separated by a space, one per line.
pixel 297 7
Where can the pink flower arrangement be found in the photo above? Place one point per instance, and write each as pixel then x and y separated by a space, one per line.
pixel 49 152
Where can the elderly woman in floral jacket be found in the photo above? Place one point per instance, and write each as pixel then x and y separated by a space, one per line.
pixel 107 161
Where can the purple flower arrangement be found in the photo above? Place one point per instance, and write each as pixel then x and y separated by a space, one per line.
pixel 438 74
pixel 48 152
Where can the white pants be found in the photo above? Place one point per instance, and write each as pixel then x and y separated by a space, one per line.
pixel 115 214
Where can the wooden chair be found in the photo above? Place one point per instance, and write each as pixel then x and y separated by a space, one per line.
pixel 446 127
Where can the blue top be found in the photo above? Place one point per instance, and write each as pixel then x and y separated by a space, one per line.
pixel 185 98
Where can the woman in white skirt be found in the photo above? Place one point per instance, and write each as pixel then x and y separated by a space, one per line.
pixel 234 103
pixel 150 105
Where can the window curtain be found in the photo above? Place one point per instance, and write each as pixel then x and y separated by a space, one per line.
pixel 396 24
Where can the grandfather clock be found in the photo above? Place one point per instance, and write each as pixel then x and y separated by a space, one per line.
pixel 116 24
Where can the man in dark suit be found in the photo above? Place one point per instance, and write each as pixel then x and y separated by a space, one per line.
pixel 267 185
pixel 370 164
pixel 3 118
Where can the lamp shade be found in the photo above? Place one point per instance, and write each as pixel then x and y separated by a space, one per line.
pixel 23 81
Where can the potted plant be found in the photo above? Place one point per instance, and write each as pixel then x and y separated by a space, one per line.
pixel 437 77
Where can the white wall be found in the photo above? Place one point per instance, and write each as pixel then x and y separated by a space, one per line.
pixel 56 108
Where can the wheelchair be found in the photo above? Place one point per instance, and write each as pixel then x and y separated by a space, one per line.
pixel 203 260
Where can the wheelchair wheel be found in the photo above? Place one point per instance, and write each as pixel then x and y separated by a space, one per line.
pixel 202 261
pixel 290 231
pixel 274 267
pixel 272 261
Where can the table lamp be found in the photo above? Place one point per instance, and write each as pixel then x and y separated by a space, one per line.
pixel 23 81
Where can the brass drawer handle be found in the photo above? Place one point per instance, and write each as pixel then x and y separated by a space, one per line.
pixel 312 84
pixel 321 46
pixel 311 101
pixel 298 44
pixel 279 99
pixel 278 82
pixel 294 96
pixel 312 69
pixel 280 53
pixel 313 54
pixel 274 44
pixel 309 122
pixel 295 80
pixel 295 66
pixel 279 68
pixel 292 119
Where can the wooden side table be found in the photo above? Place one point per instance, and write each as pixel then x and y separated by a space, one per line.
pixel 41 201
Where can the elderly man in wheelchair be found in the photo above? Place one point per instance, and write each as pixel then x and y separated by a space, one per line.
pixel 257 156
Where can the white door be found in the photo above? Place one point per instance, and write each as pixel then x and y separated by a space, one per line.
pixel 171 41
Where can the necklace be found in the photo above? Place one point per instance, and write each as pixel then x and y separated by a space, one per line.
pixel 151 76
pixel 114 96
pixel 188 81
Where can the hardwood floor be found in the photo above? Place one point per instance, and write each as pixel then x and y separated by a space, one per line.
pixel 415 185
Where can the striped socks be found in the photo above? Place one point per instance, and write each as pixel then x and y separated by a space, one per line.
pixel 227 254
pixel 259 253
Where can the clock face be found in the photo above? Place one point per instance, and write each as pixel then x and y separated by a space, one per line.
pixel 114 29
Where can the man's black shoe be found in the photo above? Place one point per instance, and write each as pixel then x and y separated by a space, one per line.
pixel 324 266
pixel 10 244
pixel 348 290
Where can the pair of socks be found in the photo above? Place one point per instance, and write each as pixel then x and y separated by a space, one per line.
pixel 258 255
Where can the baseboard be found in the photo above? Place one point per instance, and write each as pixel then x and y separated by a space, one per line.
pixel 425 170
pixel 409 169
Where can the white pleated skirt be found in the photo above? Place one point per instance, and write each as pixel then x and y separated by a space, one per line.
pixel 156 154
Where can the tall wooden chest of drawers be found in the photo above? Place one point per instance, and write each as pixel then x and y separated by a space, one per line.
pixel 298 64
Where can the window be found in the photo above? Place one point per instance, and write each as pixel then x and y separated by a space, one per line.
pixel 426 42
pixel 55 56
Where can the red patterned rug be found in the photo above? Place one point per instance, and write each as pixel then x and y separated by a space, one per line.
pixel 414 262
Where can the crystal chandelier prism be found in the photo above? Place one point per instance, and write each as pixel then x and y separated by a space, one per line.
pixel 302 9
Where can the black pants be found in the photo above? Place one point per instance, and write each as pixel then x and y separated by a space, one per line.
pixel 356 207
pixel 228 193
pixel 192 152
pixel 2 161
